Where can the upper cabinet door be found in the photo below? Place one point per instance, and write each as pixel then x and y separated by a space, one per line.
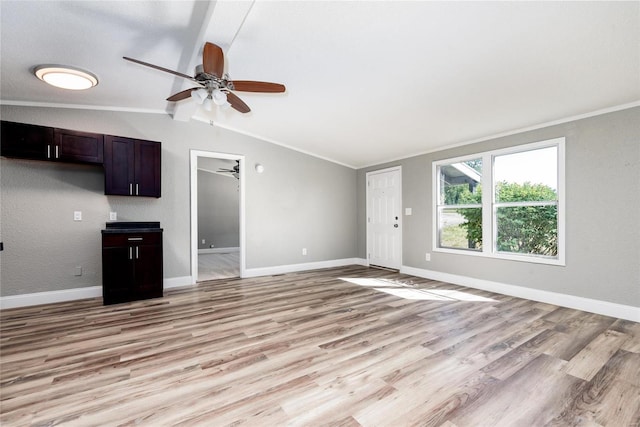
pixel 147 168
pixel 75 146
pixel 131 167
pixel 118 165
pixel 27 141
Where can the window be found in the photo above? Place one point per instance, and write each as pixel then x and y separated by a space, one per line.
pixel 520 213
pixel 460 205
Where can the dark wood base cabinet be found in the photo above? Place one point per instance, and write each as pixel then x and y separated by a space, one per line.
pixel 131 265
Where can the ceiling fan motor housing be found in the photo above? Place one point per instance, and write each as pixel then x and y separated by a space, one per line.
pixel 212 81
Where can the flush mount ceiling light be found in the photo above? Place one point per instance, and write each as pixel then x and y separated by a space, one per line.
pixel 65 77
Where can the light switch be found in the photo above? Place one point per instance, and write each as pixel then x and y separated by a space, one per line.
pixel 407 211
pixel 113 216
pixel 77 215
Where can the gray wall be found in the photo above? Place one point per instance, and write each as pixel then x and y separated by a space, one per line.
pixel 602 212
pixel 218 210
pixel 299 201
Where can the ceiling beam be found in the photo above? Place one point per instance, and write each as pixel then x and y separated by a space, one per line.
pixel 220 28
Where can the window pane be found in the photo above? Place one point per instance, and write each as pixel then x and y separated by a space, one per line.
pixel 460 228
pixel 460 183
pixel 527 176
pixel 528 230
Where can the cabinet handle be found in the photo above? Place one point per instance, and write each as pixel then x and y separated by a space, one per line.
pixel 57 153
pixel 130 189
pixel 137 252
pixel 130 252
pixel 48 151
pixel 136 189
pixel 134 239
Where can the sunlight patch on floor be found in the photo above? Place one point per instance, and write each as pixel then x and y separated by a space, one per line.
pixel 403 290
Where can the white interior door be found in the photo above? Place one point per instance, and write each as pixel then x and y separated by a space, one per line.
pixel 384 222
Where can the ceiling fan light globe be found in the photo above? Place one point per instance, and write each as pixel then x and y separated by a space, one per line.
pixel 199 95
pixel 219 97
pixel 208 104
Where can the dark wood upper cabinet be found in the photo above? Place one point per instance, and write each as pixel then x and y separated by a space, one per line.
pixel 75 146
pixel 131 167
pixel 26 141
pixel 34 142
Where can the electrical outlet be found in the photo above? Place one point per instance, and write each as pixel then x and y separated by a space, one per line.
pixel 113 216
pixel 427 256
pixel 78 271
pixel 77 215
pixel 203 242
pixel 304 251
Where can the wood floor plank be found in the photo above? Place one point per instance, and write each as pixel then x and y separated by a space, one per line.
pixel 595 355
pixel 348 346
pixel 632 330
pixel 611 397
pixel 582 328
pixel 541 384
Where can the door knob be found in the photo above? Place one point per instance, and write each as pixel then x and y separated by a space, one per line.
pixel 395 225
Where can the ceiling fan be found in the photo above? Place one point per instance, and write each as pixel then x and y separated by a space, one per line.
pixel 214 86
pixel 235 171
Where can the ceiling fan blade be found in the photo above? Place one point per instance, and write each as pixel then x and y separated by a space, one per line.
pixel 159 68
pixel 213 59
pixel 182 95
pixel 237 103
pixel 251 86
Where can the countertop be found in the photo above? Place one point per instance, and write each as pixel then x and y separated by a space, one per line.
pixel 132 227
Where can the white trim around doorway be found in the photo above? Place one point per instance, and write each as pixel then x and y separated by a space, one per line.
pixel 194 154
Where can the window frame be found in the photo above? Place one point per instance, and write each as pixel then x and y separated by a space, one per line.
pixel 490 206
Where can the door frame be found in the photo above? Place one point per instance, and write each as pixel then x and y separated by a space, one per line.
pixel 400 214
pixel 193 164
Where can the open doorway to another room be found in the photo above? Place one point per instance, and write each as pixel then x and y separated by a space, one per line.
pixel 216 216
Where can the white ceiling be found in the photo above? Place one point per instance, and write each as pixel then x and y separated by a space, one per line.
pixel 367 81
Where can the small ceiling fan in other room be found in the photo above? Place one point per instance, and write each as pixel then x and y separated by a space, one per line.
pixel 235 171
pixel 214 86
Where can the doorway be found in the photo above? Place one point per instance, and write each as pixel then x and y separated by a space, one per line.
pixel 384 219
pixel 217 252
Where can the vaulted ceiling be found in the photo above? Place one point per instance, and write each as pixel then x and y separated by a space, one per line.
pixel 367 81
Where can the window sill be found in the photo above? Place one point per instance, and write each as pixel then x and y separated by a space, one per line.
pixel 502 256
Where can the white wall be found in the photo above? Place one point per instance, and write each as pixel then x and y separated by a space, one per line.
pixel 218 210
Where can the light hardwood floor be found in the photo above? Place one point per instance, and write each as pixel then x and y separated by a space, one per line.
pixel 338 347
pixel 218 266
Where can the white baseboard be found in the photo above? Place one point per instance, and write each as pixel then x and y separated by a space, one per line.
pixel 218 250
pixel 177 282
pixel 586 304
pixel 605 308
pixel 291 268
pixel 39 298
